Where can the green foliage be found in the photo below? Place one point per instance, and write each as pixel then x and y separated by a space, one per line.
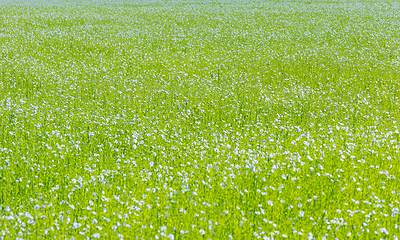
pixel 228 119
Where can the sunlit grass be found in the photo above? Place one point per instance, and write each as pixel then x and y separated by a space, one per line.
pixel 241 120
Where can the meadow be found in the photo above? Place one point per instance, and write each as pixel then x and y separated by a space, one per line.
pixel 199 119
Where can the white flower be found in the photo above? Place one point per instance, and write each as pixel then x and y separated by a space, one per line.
pixel 383 230
pixel 310 236
pixel 163 228
pixel 76 225
pixel 202 232
pixel 171 236
pixel 96 235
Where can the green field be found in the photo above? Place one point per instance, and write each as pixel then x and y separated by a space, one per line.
pixel 199 120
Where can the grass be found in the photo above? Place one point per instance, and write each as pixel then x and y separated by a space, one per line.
pixel 199 120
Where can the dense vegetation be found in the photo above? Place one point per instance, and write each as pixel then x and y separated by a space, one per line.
pixel 188 120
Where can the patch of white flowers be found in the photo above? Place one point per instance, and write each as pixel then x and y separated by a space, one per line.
pixel 168 120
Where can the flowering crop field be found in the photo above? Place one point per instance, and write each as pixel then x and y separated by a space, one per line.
pixel 199 120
